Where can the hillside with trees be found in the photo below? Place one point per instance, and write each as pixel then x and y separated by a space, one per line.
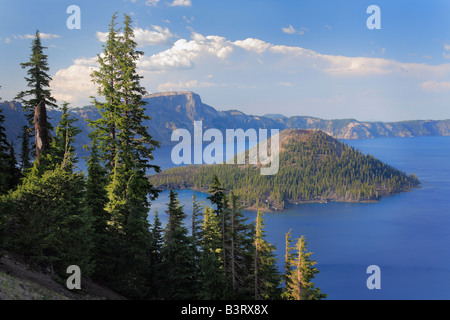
pixel 314 167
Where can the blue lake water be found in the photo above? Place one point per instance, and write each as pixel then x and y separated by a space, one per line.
pixel 406 235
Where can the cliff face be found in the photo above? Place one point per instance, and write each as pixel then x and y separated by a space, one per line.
pixel 178 110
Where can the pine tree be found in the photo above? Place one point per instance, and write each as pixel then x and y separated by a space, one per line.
pixel 107 78
pixel 177 254
pixel 212 275
pixel 95 200
pixel 288 266
pixel 25 162
pixel 14 171
pixel 299 285
pixel 136 240
pixel 240 250
pixel 156 266
pixel 196 236
pixel 62 145
pixel 266 277
pixel 5 175
pixel 48 223
pixel 218 198
pixel 135 142
pixel 126 149
pixel 34 107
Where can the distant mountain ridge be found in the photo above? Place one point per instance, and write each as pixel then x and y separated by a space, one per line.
pixel 172 110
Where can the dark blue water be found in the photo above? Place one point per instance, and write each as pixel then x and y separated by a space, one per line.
pixel 406 235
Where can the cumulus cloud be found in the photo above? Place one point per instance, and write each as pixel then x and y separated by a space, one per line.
pixel 254 45
pixel 184 54
pixel 74 84
pixel 146 37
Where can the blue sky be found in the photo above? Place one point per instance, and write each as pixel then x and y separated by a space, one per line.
pixel 315 58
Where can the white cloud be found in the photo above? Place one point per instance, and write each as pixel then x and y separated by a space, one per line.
pixel 446 55
pixel 436 86
pixel 101 36
pixel 151 3
pixel 157 36
pixel 32 36
pixel 74 84
pixel 146 37
pixel 252 63
pixel 181 3
pixel 184 54
pixel 292 30
pixel 254 45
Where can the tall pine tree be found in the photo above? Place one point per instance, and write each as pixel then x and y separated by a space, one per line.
pixel 299 285
pixel 35 100
pixel 126 150
pixel 62 148
pixel 177 254
pixel 267 280
pixel 5 175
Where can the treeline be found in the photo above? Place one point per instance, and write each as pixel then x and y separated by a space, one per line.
pixel 56 216
pixel 316 167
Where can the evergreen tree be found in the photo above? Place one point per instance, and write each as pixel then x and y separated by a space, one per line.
pixel 196 236
pixel 266 277
pixel 5 175
pixel 107 78
pixel 299 286
pixel 25 162
pixel 288 266
pixel 136 240
pixel 156 266
pixel 126 149
pixel 34 107
pixel 211 268
pixel 48 223
pixel 135 142
pixel 62 145
pixel 219 200
pixel 14 171
pixel 177 254
pixel 95 200
pixel 240 250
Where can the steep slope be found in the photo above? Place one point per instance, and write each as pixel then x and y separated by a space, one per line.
pixel 18 281
pixel 314 167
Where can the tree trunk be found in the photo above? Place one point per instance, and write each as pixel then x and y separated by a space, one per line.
pixel 41 130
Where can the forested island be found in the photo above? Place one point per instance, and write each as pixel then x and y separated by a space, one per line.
pixel 314 167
